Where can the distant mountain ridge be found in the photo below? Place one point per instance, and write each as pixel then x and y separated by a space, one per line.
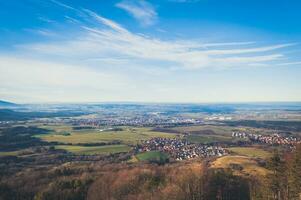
pixel 6 103
pixel 11 115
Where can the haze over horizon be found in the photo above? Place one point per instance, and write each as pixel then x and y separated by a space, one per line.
pixel 155 102
pixel 197 51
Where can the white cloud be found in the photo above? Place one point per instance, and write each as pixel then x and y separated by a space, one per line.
pixel 62 5
pixel 290 63
pixel 101 60
pixel 143 11
pixel 44 19
pixel 184 1
pixel 249 50
pixel 111 40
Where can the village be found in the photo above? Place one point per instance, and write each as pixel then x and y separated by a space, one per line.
pixel 274 139
pixel 180 149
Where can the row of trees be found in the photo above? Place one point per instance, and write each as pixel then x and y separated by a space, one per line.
pixel 158 184
pixel 285 178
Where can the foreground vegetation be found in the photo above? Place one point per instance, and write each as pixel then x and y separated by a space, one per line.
pixel 177 181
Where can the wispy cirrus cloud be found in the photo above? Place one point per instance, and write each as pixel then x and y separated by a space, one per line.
pixel 62 5
pixel 108 39
pixel 141 10
pixel 184 1
pixel 97 59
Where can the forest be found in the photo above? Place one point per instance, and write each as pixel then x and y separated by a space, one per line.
pixel 177 181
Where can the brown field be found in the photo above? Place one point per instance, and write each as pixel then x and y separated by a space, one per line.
pixel 249 166
pixel 253 152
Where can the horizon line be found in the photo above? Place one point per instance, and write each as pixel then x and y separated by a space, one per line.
pixel 153 102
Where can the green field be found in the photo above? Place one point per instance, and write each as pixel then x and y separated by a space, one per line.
pixel 218 130
pixel 207 138
pixel 87 150
pixel 151 155
pixel 9 153
pixel 126 136
pixel 250 152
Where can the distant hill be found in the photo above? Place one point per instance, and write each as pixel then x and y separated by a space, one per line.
pixel 6 114
pixel 11 115
pixel 6 103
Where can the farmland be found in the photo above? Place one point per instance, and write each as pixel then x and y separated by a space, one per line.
pixel 207 138
pixel 75 141
pixel 9 153
pixel 205 129
pixel 129 136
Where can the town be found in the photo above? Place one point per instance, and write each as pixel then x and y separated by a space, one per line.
pixel 180 149
pixel 274 139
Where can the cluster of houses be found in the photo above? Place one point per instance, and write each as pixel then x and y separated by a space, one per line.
pixel 268 139
pixel 180 149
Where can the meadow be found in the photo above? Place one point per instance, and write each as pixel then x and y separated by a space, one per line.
pixel 208 138
pixel 241 165
pixel 9 153
pixel 206 134
pixel 151 155
pixel 250 152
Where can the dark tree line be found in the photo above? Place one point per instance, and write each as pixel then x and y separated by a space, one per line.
pixel 285 178
pixel 20 137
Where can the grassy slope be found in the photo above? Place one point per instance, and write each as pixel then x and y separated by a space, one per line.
pixel 151 155
pixel 249 165
pixel 250 152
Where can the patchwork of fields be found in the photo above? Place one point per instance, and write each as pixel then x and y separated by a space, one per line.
pixel 92 141
pixel 75 141
pixel 129 136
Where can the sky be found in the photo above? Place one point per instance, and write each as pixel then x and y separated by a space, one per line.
pixel 193 51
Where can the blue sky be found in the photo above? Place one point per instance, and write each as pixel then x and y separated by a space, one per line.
pixel 150 51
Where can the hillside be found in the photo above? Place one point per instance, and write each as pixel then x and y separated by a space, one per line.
pixel 6 103
pixel 11 115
